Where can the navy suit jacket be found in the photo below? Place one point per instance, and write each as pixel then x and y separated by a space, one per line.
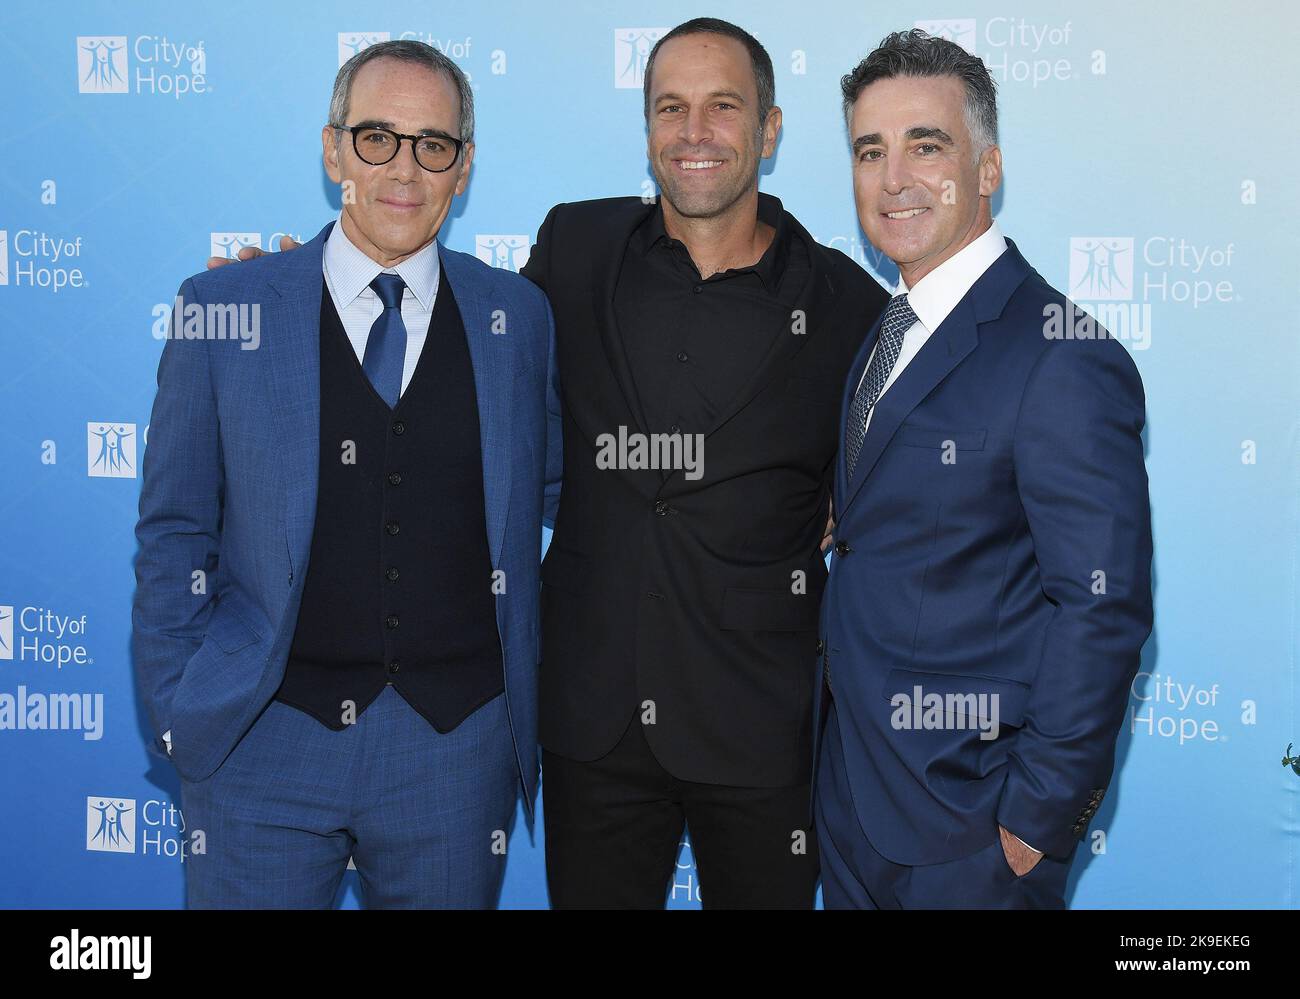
pixel 995 539
pixel 230 480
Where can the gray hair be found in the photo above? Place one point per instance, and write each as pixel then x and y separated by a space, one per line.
pixel 405 50
pixel 915 53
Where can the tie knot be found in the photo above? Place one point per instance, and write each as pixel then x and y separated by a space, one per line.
pixel 899 312
pixel 389 288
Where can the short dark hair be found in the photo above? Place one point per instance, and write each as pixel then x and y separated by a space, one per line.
pixel 764 78
pixel 403 50
pixel 915 53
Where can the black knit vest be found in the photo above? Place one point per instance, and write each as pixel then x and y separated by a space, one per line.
pixel 399 581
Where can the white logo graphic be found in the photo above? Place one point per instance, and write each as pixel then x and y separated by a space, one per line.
pixel 507 252
pixel 110 824
pixel 4 256
pixel 228 244
pixel 110 450
pixel 1101 268
pixel 352 42
pixel 101 64
pixel 6 631
pixel 960 30
pixel 631 52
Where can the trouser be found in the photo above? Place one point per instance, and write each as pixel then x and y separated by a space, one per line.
pixel 856 876
pixel 613 827
pixel 423 815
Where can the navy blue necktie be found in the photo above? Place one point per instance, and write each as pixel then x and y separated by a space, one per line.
pixel 386 345
pixel 899 318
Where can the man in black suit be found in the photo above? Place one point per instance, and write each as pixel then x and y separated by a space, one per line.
pixel 703 342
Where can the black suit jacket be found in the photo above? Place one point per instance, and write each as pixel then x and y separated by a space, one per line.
pixel 695 599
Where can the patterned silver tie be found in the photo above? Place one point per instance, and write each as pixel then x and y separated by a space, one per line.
pixel 899 317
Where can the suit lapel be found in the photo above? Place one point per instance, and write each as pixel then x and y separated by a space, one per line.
pixel 294 371
pixel 604 283
pixel 814 304
pixel 947 347
pixel 491 357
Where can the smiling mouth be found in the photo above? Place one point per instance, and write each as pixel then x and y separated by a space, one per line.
pixel 906 213
pixel 400 204
pixel 698 164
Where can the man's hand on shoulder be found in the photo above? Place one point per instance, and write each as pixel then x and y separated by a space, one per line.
pixel 249 252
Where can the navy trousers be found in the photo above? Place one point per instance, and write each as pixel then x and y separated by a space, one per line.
pixel 424 816
pixel 855 876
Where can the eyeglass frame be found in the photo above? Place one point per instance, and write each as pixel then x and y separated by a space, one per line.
pixel 354 129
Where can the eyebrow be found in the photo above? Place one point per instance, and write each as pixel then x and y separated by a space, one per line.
pixel 739 98
pixel 915 132
pixel 381 123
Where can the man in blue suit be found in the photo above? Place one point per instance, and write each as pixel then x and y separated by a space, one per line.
pixel 335 621
pixel 990 590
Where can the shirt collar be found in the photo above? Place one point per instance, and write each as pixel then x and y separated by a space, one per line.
pixel 770 266
pixel 351 271
pixel 938 293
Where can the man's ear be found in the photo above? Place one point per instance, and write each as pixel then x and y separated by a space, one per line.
pixel 771 129
pixel 330 153
pixel 990 171
pixel 466 159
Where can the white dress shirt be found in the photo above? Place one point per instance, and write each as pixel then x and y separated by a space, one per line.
pixel 348 273
pixel 937 294
pixel 933 299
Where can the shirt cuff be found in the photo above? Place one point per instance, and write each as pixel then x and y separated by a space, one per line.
pixel 1018 839
pixel 167 741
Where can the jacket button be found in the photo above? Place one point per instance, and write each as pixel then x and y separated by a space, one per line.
pixel 683 356
pixel 394 478
pixel 391 620
pixel 391 573
pixel 391 527
pixel 662 508
pixel 399 428
pixel 821 646
pixel 842 548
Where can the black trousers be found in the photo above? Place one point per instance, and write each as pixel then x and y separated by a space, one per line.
pixel 613 827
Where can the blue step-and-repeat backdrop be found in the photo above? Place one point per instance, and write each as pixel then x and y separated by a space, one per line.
pixel 1151 172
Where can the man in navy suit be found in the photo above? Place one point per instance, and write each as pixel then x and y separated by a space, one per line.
pixel 335 624
pixel 990 590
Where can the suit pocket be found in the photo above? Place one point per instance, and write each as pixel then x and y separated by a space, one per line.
pixel 228 630
pixel 768 610
pixel 961 440
pixel 565 569
pixel 967 695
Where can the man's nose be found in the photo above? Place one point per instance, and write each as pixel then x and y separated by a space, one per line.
pixel 696 127
pixel 403 166
pixel 898 175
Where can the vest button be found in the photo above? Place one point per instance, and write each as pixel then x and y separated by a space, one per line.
pixel 683 356
pixel 391 527
pixel 391 620
pixel 662 508
pixel 399 428
pixel 394 666
pixel 391 573
pixel 394 478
